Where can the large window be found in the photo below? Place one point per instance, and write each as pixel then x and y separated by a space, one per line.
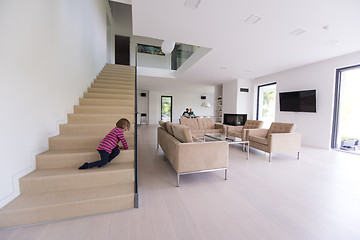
pixel 166 108
pixel 346 128
pixel 266 104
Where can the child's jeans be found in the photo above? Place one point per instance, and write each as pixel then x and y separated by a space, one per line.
pixel 105 158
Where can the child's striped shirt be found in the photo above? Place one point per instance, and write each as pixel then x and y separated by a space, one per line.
pixel 112 139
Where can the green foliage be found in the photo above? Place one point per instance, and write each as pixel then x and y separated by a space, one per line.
pixel 268 104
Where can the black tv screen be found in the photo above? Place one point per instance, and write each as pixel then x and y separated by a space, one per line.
pixel 299 101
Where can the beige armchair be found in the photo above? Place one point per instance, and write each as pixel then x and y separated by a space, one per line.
pixel 242 131
pixel 280 137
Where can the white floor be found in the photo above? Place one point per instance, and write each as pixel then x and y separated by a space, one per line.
pixel 316 197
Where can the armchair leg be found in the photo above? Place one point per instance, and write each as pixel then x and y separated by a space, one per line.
pixel 269 157
pixel 298 155
pixel 225 174
pixel 177 180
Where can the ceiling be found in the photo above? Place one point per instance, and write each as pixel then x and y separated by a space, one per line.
pixel 242 50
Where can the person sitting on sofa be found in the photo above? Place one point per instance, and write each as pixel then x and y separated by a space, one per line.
pixel 191 113
pixel 186 113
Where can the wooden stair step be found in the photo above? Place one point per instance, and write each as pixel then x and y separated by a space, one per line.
pixel 117 78
pixel 106 102
pixel 118 72
pixel 36 208
pixel 75 158
pixel 104 109
pixel 98 118
pixel 129 77
pixel 109 90
pixel 51 180
pixel 114 81
pixel 110 96
pixel 117 86
pixel 116 67
pixel 89 129
pixel 70 142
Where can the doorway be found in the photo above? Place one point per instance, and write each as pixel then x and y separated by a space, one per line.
pixel 266 103
pixel 346 128
pixel 166 108
pixel 122 50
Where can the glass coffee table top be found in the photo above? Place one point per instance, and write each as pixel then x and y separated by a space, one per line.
pixel 223 137
pixel 228 139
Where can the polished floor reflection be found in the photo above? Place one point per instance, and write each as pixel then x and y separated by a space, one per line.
pixel 316 197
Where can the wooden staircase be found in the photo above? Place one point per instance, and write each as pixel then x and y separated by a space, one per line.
pixel 57 189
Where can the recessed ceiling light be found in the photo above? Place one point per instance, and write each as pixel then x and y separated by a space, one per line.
pixel 332 42
pixel 326 27
pixel 297 32
pixel 253 19
pixel 223 68
pixel 192 3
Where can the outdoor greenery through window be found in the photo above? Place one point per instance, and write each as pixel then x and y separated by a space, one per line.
pixel 266 104
pixel 348 134
pixel 166 108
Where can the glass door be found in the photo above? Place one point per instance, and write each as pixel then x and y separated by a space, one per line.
pixel 166 108
pixel 346 128
pixel 266 104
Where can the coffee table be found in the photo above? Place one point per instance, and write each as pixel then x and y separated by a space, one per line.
pixel 230 140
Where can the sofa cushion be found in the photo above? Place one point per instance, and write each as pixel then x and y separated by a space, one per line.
pixel 198 132
pixel 213 130
pixel 252 124
pixel 281 128
pixel 162 125
pixel 260 140
pixel 182 133
pixel 206 123
pixel 190 122
pixel 169 128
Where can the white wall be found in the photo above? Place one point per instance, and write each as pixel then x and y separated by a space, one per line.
pixel 235 101
pixel 142 105
pixel 122 16
pixel 50 53
pixel 154 61
pixel 230 97
pixel 181 101
pixel 244 103
pixel 314 127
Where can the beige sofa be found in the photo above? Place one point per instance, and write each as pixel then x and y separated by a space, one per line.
pixel 243 131
pixel 280 137
pixel 189 155
pixel 200 126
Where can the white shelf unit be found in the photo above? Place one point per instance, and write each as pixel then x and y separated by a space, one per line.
pixel 218 110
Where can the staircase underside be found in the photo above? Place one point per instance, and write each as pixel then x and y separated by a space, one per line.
pixel 57 190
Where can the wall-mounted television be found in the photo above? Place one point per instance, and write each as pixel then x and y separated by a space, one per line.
pixel 298 101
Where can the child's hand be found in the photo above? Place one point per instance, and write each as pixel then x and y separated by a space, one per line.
pixel 129 148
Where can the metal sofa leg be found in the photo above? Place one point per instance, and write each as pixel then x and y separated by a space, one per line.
pixel 269 157
pixel 298 155
pixel 225 174
pixel 177 180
